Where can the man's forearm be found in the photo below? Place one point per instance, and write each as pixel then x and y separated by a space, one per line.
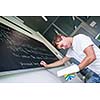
pixel 55 64
pixel 59 62
pixel 90 57
pixel 86 61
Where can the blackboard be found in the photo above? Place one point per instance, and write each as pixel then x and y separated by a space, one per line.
pixel 18 51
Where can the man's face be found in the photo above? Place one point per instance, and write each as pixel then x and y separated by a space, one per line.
pixel 63 44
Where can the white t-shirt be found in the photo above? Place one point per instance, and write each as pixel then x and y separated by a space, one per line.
pixel 80 42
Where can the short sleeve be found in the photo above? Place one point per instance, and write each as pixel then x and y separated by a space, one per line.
pixel 69 53
pixel 85 41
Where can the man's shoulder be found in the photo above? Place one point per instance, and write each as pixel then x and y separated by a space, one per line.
pixel 80 36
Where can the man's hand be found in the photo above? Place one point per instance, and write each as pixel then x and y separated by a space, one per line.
pixel 43 63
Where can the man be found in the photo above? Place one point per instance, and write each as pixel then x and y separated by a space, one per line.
pixel 83 50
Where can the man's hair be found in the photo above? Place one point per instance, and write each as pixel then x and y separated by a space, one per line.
pixel 57 38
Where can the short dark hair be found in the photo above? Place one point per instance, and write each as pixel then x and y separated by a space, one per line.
pixel 57 38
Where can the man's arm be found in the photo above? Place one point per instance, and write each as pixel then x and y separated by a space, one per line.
pixel 90 57
pixel 55 64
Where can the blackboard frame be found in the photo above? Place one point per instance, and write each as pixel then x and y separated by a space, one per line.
pixel 30 69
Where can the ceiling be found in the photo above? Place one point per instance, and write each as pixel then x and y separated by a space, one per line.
pixel 37 23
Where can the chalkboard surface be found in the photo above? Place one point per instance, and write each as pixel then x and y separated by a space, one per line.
pixel 18 51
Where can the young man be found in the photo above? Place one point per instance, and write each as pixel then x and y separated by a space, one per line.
pixel 83 50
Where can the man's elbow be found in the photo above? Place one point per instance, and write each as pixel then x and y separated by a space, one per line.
pixel 93 58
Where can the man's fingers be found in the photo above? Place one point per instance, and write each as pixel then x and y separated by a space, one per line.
pixel 42 63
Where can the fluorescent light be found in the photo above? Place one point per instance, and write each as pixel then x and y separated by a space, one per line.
pixel 44 18
pixel 56 31
pixel 73 18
